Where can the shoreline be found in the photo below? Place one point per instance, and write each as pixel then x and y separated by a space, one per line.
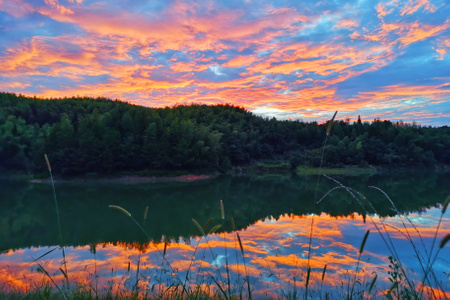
pixel 128 179
pixel 267 169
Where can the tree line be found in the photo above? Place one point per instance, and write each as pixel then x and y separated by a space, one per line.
pixel 83 135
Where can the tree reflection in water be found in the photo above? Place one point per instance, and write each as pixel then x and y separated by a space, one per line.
pixel 275 248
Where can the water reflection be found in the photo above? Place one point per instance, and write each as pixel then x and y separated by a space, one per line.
pixel 106 251
pixel 27 214
pixel 276 254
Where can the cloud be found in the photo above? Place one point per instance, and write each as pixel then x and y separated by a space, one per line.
pixel 346 23
pixel 301 59
pixel 413 6
pixel 416 32
pixel 16 8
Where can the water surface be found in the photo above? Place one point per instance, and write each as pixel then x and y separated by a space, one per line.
pixel 278 218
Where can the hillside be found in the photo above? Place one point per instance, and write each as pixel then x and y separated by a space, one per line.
pixel 84 135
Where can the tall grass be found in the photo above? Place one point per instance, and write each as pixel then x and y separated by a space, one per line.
pixel 403 285
pixel 308 272
pixel 64 262
pixel 410 289
pixel 222 288
pixel 179 282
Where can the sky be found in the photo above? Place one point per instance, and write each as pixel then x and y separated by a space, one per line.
pixel 289 59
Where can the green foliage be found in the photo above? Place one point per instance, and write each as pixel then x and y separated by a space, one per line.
pixel 399 289
pixel 83 135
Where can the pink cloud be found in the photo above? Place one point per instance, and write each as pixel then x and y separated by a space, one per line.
pixel 413 6
pixel 400 93
pixel 403 33
pixel 443 48
pixel 287 58
pixel 347 23
pixel 16 8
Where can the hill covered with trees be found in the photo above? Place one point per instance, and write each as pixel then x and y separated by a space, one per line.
pixel 84 135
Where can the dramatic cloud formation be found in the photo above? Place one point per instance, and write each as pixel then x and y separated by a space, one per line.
pixel 288 59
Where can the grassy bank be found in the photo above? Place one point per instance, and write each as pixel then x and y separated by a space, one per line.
pixel 351 170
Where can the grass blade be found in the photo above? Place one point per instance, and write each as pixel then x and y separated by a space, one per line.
pixel 222 210
pixel 41 269
pixel 444 241
pixel 126 212
pixel 372 283
pixel 64 273
pixel 331 123
pixel 308 274
pixel 220 287
pixel 48 252
pixel 165 248
pixel 49 167
pixel 240 244
pixel 361 249
pixel 207 223
pixel 146 213
pixel 198 226
pixel 445 205
pixel 215 228
pixel 324 271
pixel 394 286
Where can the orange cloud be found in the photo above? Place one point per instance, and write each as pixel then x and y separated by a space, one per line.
pixel 127 55
pixel 405 92
pixel 43 52
pixel 241 61
pixel 383 10
pixel 414 5
pixel 416 32
pixel 347 23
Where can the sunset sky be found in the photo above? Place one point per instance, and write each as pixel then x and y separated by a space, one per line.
pixel 289 59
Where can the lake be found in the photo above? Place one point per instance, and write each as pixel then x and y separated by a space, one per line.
pixel 279 236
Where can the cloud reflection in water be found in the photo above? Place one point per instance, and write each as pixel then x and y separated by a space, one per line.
pixel 276 254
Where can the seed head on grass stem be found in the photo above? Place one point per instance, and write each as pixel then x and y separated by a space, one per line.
pixel 222 214
pixel 445 205
pixel 331 123
pixel 200 228
pixel 212 230
pixel 361 249
pixel 49 167
pixel 444 241
pixel 245 266
pixel 128 214
pixel 222 210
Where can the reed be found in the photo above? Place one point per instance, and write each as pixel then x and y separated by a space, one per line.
pixel 64 262
pixel 402 285
pixel 399 288
pixel 214 257
pixel 401 275
pixel 330 125
pixel 128 214
pixel 245 266
pixel 222 215
pixel 361 249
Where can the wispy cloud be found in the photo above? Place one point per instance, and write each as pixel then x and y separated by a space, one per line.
pixel 289 60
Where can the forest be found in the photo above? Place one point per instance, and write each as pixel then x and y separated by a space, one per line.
pixel 84 135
